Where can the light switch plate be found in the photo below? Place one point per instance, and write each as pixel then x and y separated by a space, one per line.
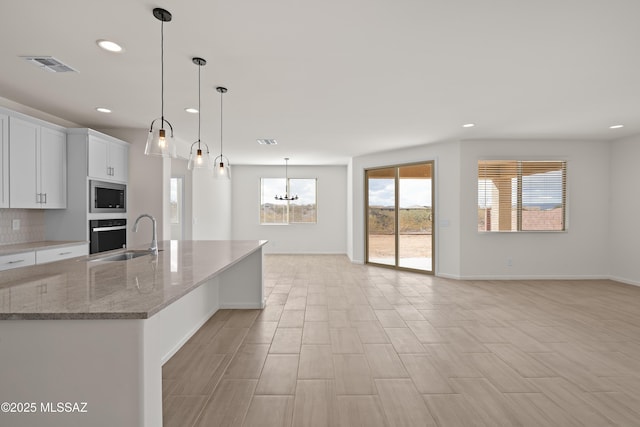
pixel 15 224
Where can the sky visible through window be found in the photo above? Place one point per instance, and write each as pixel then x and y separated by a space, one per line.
pixel 304 188
pixel 413 192
pixel 533 193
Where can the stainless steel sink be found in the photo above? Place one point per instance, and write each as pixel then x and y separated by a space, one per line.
pixel 122 256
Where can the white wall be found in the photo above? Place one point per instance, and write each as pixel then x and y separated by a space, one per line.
pixel 328 236
pixel 581 252
pixel 624 216
pixel 447 191
pixel 350 209
pixel 211 201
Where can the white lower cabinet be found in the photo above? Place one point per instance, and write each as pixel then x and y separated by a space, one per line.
pixel 43 256
pixel 22 259
pixel 60 253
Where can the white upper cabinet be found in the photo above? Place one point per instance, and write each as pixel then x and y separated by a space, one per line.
pixel 4 161
pixel 53 168
pixel 37 166
pixel 24 190
pixel 108 160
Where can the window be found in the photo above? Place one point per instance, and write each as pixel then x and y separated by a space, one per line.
pixel 516 195
pixel 175 196
pixel 301 211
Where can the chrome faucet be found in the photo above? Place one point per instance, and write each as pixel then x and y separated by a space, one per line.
pixel 154 240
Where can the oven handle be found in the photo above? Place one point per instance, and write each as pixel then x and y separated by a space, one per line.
pixel 122 227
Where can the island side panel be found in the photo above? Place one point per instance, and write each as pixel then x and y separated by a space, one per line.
pixel 165 333
pixel 241 285
pixel 97 362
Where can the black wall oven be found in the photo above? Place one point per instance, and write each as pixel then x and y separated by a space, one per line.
pixel 107 234
pixel 107 197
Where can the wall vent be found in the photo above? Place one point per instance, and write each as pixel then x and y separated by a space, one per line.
pixel 49 63
pixel 267 142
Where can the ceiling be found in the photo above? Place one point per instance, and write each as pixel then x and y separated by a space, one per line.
pixel 330 79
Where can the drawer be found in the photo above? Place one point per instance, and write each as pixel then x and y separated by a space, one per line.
pixel 17 260
pixel 60 253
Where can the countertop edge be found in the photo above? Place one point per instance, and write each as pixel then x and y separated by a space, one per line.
pixel 158 309
pixel 135 315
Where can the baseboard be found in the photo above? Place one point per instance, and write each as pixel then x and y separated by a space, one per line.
pixel 625 281
pixel 305 253
pixel 537 277
pixel 448 276
pixel 241 306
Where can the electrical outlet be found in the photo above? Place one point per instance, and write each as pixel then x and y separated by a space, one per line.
pixel 509 262
pixel 15 224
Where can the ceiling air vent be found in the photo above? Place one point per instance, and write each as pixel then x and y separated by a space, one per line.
pixel 267 142
pixel 49 63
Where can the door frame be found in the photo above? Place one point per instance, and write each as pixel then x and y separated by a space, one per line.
pixel 397 217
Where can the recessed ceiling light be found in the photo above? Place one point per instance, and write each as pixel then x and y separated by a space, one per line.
pixel 616 126
pixel 267 142
pixel 468 125
pixel 109 45
pixel 191 110
pixel 103 110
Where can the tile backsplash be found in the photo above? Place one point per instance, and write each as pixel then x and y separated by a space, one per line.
pixel 31 226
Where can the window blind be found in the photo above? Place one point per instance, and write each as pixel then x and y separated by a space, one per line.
pixel 522 195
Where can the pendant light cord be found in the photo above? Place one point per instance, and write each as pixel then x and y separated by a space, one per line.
pixel 162 71
pixel 286 178
pixel 221 96
pixel 199 113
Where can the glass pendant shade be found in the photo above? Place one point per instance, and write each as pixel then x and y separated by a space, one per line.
pixel 221 169
pixel 199 158
pixel 160 143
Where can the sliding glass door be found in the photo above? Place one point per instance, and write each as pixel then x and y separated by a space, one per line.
pixel 400 216
pixel 382 220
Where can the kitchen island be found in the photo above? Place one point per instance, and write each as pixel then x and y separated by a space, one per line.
pixel 82 341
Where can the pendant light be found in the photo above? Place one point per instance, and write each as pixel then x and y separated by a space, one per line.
pixel 158 142
pixel 199 159
pixel 286 185
pixel 221 170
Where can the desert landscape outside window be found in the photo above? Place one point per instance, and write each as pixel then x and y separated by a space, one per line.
pixel 303 210
pixel 400 216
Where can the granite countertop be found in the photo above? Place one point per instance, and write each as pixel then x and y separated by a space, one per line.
pixel 86 288
pixel 19 248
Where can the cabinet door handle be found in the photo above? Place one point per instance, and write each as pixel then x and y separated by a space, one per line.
pixel 15 261
pixel 64 253
pixel 45 198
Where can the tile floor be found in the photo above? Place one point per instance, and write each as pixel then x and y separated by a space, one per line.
pixel 349 345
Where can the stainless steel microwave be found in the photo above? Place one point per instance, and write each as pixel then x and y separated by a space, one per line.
pixel 107 197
